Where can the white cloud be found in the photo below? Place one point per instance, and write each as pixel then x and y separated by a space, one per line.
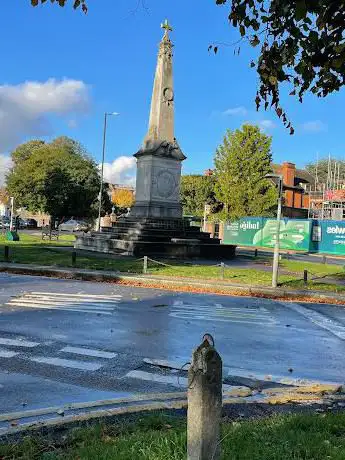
pixel 72 123
pixel 25 109
pixel 314 126
pixel 5 164
pixel 120 171
pixel 266 124
pixel 241 111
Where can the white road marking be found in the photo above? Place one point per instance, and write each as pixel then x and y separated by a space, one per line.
pixel 158 378
pixel 81 365
pixel 66 303
pixel 170 379
pixel 7 353
pixel 48 307
pixel 100 304
pixel 217 312
pixel 95 296
pixel 18 343
pixel 333 326
pixel 89 352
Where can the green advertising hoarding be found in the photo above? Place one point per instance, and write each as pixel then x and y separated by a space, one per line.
pixel 243 231
pixel 331 237
pixel 261 232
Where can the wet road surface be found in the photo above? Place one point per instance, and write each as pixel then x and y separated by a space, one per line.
pixel 67 341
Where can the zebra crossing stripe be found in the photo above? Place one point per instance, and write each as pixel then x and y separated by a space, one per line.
pixel 48 307
pixel 158 378
pixel 7 353
pixel 38 303
pixel 172 380
pixel 18 343
pixel 87 303
pixel 72 300
pixel 89 352
pixel 83 296
pixel 73 364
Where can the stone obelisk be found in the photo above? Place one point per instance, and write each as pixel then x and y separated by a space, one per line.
pixel 159 159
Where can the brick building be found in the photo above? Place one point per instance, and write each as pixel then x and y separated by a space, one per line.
pixel 296 183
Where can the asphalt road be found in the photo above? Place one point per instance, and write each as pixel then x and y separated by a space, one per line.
pixel 70 341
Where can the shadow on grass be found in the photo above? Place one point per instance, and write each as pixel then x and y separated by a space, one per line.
pixel 54 256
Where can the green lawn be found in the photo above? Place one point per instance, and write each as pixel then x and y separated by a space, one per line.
pixel 161 437
pixel 28 239
pixel 33 250
pixel 312 267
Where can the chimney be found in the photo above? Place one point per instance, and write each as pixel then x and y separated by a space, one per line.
pixel 288 172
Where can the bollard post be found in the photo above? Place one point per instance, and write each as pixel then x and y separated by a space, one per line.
pixel 323 259
pixel 204 402
pixel 305 277
pixel 145 265
pixel 74 258
pixel 222 270
pixel 7 253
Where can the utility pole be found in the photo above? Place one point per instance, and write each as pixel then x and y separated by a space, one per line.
pixel 275 265
pixel 102 168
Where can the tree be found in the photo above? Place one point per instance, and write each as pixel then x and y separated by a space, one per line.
pixel 301 43
pixel 327 171
pixel 56 178
pixel 23 151
pixel 196 191
pixel 4 197
pixel 242 161
pixel 123 197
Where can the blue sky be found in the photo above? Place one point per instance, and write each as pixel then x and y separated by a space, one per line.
pixel 108 58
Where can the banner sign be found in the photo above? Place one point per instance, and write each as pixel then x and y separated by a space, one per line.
pixel 259 231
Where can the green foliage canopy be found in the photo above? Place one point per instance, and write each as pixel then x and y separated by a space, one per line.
pixel 196 191
pixel 242 161
pixel 56 178
pixel 301 43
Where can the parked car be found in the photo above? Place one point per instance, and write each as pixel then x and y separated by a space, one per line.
pixel 27 223
pixel 73 225
pixel 5 222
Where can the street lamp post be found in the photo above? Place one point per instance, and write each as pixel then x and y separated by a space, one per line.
pixel 277 238
pixel 12 211
pixel 102 167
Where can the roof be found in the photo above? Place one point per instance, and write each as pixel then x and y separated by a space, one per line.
pixel 301 175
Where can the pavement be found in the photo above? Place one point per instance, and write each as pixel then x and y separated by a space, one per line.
pixel 67 342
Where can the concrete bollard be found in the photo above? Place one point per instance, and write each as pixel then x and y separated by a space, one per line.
pixel 305 277
pixel 7 254
pixel 204 402
pixel 74 258
pixel 145 265
pixel 323 259
pixel 222 270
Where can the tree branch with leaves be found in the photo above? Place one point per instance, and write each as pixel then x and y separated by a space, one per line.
pixel 302 43
pixel 76 3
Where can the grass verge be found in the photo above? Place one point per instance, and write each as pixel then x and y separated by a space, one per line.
pixel 163 437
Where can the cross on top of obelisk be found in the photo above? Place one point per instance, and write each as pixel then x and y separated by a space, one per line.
pixel 167 27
